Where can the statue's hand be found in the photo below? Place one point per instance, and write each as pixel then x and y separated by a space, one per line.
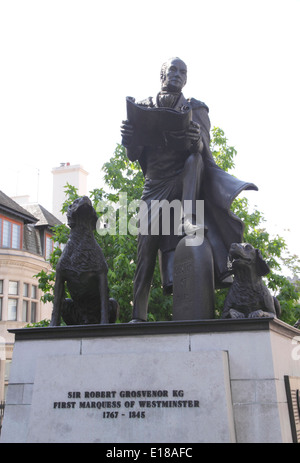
pixel 126 133
pixel 193 134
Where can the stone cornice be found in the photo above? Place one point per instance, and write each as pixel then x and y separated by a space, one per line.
pixel 24 260
pixel 157 328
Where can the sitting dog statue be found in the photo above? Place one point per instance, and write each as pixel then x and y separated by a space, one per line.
pixel 249 297
pixel 83 268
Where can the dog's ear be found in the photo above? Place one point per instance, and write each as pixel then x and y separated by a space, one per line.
pixel 69 216
pixel 94 219
pixel 262 267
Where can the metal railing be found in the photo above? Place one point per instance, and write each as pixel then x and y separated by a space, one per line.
pixel 2 406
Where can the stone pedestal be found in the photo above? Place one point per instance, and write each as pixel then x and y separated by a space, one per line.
pixel 180 382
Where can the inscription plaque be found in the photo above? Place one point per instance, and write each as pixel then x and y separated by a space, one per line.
pixel 182 273
pixel 292 385
pixel 161 397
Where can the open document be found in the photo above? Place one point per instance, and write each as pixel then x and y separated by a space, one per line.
pixel 158 126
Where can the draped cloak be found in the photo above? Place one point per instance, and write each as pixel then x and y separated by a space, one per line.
pixel 218 191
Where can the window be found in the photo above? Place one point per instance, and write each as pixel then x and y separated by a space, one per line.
pixel 1 292
pixel 48 246
pixel 6 234
pixel 21 303
pixel 25 311
pixel 29 307
pixel 33 304
pixel 26 290
pixel 16 236
pixel 7 369
pixel 33 292
pixel 10 233
pixel 13 288
pixel 12 309
pixel 33 312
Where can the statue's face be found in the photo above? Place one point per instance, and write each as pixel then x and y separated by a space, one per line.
pixel 175 76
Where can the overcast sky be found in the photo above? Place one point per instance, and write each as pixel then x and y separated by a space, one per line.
pixel 67 66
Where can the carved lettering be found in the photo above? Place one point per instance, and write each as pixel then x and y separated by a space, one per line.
pixel 125 402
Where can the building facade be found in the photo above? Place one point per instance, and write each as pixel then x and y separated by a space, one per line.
pixel 25 246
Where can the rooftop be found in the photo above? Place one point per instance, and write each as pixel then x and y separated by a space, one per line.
pixel 9 205
pixel 45 218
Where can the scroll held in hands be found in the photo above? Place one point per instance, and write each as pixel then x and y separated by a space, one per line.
pixel 158 126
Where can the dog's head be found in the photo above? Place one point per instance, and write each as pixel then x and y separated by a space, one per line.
pixel 244 254
pixel 82 211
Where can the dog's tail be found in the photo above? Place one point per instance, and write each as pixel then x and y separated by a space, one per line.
pixel 113 310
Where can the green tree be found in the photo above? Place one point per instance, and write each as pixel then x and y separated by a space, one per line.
pixel 123 177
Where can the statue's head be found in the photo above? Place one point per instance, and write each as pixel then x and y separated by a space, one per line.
pixel 173 75
pixel 81 211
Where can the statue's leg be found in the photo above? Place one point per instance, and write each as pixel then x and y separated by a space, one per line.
pixel 70 313
pixel 166 263
pixel 192 179
pixel 146 258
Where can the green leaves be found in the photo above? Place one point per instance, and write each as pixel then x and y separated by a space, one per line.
pixel 72 194
pixel 222 153
pixel 46 284
pixel 123 175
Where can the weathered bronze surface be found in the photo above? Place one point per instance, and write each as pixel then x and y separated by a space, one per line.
pixel 249 297
pixel 83 268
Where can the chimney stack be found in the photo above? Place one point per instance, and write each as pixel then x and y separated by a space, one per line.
pixel 66 173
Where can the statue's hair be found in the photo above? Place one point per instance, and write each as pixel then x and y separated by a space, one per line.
pixel 164 67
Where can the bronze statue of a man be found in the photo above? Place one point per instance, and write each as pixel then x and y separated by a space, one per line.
pixel 173 173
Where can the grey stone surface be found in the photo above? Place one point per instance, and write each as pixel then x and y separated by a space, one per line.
pixel 182 405
pixel 249 353
pixel 26 353
pixel 136 344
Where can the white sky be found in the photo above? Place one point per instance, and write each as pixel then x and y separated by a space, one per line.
pixel 67 66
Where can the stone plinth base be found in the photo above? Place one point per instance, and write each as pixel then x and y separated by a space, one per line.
pixel 180 382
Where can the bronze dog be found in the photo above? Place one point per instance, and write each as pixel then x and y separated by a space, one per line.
pixel 83 268
pixel 249 297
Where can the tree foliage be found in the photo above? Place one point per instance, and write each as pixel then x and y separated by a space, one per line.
pixel 124 177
